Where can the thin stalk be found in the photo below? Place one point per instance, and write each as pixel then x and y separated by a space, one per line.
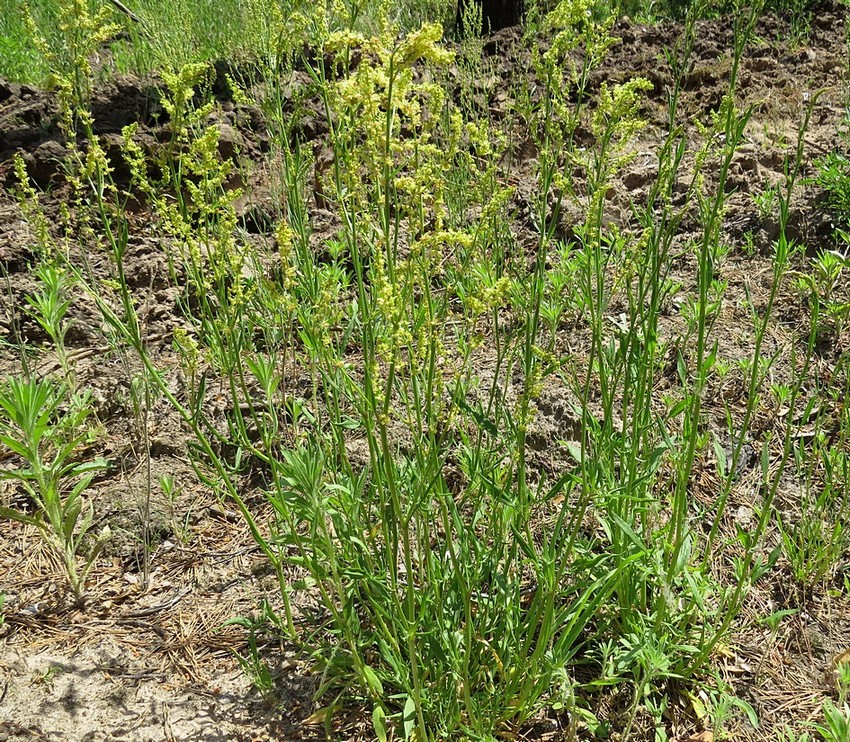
pixel 780 265
pixel 712 214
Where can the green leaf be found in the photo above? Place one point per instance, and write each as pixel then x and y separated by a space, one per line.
pixel 684 553
pixel 19 517
pixel 80 485
pixel 574 450
pixel 409 717
pixel 15 446
pixel 720 453
pixel 747 709
pixel 379 722
pixel 629 532
pixel 487 425
pixel 95 465
pixel 373 682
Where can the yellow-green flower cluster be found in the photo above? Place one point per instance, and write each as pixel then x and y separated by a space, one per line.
pixel 342 43
pixel 277 36
pixel 211 205
pixel 615 123
pixel 285 239
pixel 27 198
pixel 82 34
pixel 94 164
pixel 201 220
pixel 208 194
pixel 135 159
pixel 189 350
pixel 283 290
pixel 329 312
pixel 382 123
pixel 423 44
pixel 487 295
pixel 481 138
pixel 576 27
pixel 581 30
pixel 436 248
pixel 181 91
pixel 172 221
pixel 497 203
pixel 390 307
pixel 617 111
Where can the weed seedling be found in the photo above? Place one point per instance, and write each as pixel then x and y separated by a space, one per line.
pixel 773 620
pixel 49 308
pixel 766 202
pixel 834 177
pixel 44 426
pixel 836 724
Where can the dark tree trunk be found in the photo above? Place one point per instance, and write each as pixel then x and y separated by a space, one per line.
pixel 495 15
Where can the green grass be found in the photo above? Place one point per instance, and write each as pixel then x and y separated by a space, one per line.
pixel 170 35
pixel 173 33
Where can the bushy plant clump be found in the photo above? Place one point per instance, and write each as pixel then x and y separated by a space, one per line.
pixel 383 383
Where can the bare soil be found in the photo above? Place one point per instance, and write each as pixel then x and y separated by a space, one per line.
pixel 158 660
